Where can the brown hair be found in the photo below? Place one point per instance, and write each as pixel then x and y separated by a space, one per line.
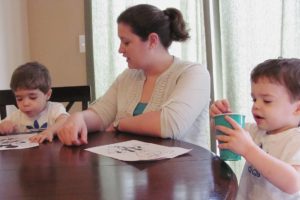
pixel 31 75
pixel 145 19
pixel 285 72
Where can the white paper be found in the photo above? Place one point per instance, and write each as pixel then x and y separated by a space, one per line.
pixel 135 150
pixel 20 141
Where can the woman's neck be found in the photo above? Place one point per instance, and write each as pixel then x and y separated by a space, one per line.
pixel 159 65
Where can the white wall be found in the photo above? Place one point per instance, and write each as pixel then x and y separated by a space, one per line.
pixel 14 40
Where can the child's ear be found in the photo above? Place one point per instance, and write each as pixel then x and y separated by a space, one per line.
pixel 297 111
pixel 48 94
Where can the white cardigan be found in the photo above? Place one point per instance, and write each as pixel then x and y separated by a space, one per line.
pixel 182 94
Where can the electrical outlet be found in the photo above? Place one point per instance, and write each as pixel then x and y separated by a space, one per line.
pixel 82 43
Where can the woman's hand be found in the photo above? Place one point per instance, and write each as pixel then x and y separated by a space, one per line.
pixel 110 128
pixel 7 127
pixel 219 107
pixel 236 139
pixel 74 130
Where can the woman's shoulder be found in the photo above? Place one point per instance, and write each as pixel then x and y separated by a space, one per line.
pixel 131 74
pixel 185 63
pixel 182 66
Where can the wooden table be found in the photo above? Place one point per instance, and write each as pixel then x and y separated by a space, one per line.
pixel 55 171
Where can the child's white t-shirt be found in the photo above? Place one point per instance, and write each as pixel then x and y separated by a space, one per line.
pixel 284 146
pixel 45 119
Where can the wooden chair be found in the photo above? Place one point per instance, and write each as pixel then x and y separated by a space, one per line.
pixel 69 94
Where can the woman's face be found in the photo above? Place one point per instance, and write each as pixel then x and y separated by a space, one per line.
pixel 132 47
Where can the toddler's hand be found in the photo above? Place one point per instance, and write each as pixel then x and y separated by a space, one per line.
pixel 219 107
pixel 237 139
pixel 46 135
pixel 7 127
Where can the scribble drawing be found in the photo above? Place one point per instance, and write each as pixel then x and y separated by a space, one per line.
pixel 149 154
pixel 119 149
pixel 134 150
pixel 11 142
pixel 138 150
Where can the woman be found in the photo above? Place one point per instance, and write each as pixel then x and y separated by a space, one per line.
pixel 159 95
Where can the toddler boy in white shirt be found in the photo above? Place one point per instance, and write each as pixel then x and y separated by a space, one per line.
pixel 31 85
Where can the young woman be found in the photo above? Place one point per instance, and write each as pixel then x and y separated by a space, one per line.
pixel 159 95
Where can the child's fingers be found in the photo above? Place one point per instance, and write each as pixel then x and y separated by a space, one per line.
pixel 45 138
pixel 233 123
pixel 214 110
pixel 50 138
pixel 224 129
pixel 219 107
pixel 222 138
pixel 226 105
pixel 224 145
pixel 32 139
pixel 223 105
pixel 37 139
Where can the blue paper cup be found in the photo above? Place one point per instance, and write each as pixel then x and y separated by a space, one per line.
pixel 226 154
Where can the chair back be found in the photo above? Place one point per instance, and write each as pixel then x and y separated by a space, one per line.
pixel 69 94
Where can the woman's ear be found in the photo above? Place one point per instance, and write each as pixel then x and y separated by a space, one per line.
pixel 49 93
pixel 153 40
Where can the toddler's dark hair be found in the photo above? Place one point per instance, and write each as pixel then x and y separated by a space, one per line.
pixel 284 71
pixel 31 75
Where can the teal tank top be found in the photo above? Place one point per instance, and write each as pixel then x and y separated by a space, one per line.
pixel 139 109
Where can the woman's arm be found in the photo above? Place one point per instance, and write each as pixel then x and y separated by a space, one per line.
pixel 144 124
pixel 92 120
pixel 189 99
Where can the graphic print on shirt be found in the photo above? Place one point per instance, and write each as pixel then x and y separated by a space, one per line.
pixel 252 170
pixel 37 126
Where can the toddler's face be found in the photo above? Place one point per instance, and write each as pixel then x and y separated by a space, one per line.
pixel 31 102
pixel 272 108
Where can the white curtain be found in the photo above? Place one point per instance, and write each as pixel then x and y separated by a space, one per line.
pixel 108 63
pixel 248 32
pixel 252 31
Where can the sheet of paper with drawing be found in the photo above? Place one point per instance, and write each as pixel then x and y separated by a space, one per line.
pixel 16 141
pixel 135 150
